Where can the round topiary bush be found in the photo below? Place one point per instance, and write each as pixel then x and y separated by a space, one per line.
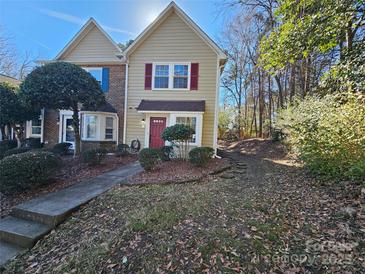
pixel 26 170
pixel 94 156
pixel 200 156
pixel 149 158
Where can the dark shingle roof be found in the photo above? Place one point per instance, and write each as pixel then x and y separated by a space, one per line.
pixel 107 107
pixel 167 105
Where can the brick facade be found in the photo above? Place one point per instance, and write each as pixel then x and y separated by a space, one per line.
pixel 115 96
pixel 51 127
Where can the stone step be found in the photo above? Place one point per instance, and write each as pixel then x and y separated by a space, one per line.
pixel 21 232
pixel 9 251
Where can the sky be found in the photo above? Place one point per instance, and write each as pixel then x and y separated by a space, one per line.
pixel 44 27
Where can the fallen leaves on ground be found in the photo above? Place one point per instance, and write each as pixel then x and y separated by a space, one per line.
pixel 271 218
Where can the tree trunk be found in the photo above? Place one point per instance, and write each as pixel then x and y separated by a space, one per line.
pixel 307 78
pixel 292 83
pixel 3 136
pixel 261 104
pixel 76 127
pixel 270 105
pixel 280 91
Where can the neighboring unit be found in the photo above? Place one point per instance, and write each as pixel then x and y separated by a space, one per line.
pixel 170 74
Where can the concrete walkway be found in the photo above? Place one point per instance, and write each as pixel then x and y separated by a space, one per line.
pixel 30 221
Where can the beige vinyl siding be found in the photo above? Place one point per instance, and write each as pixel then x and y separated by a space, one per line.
pixel 92 47
pixel 172 41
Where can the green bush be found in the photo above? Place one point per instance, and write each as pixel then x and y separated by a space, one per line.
pixel 33 142
pixel 200 156
pixel 94 156
pixel 122 150
pixel 23 171
pixel 167 152
pixel 328 134
pixel 179 135
pixel 61 148
pixel 16 151
pixel 6 145
pixel 149 158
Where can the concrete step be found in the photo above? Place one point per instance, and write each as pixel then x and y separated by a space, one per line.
pixel 21 232
pixel 9 251
pixel 53 208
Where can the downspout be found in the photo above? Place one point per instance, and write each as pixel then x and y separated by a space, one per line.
pixel 117 130
pixel 125 103
pixel 215 133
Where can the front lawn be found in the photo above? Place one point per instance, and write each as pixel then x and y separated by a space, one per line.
pixel 270 217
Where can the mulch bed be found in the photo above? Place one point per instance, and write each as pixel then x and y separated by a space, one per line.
pixel 178 171
pixel 72 171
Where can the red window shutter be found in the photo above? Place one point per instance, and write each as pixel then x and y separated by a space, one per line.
pixel 194 75
pixel 148 77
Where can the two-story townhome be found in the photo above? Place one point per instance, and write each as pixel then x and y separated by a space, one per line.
pixel 170 74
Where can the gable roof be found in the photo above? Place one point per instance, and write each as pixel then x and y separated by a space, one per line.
pixel 90 24
pixel 172 7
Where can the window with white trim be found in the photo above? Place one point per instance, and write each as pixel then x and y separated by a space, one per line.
pixel 171 76
pixel 91 127
pixel 97 73
pixel 181 74
pixel 109 128
pixel 36 127
pixel 188 121
pixel 161 78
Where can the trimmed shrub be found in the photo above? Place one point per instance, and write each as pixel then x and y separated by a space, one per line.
pixel 179 135
pixel 122 150
pixel 94 156
pixel 327 134
pixel 149 158
pixel 61 148
pixel 6 145
pixel 33 142
pixel 200 156
pixel 26 170
pixel 16 151
pixel 167 152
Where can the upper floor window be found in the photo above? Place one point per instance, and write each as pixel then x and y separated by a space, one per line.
pixel 181 74
pixel 171 76
pixel 161 76
pixel 97 73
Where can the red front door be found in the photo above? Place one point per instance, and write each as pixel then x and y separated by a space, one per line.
pixel 157 125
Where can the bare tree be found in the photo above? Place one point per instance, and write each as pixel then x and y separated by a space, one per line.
pixel 8 60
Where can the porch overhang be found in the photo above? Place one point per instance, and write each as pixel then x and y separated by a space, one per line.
pixel 169 106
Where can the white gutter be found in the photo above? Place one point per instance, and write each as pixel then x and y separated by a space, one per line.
pixel 125 103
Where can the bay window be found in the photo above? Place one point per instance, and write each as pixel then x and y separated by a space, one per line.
pixel 99 127
pixel 91 126
pixel 171 76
